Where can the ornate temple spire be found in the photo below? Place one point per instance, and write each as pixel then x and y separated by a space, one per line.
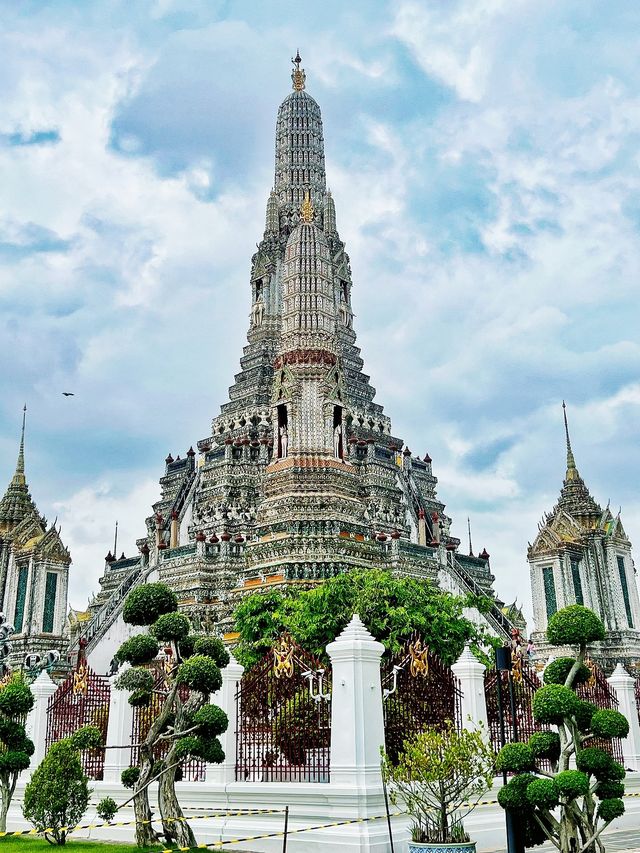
pixel 299 158
pixel 298 76
pixel 16 502
pixel 572 471
pixel 330 226
pixel 272 220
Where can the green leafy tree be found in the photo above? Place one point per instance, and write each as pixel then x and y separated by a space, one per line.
pixel 570 807
pixel 392 608
pixel 16 749
pixel 188 728
pixel 58 793
pixel 438 777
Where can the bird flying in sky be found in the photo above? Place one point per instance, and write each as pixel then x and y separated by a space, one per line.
pixel 68 394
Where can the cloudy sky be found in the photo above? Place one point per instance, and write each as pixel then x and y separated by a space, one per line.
pixel 484 159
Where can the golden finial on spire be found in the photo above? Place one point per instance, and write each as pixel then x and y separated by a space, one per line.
pixel 297 75
pixel 306 209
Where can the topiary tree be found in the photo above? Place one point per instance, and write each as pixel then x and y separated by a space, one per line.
pixel 58 793
pixel 588 797
pixel 16 749
pixel 187 728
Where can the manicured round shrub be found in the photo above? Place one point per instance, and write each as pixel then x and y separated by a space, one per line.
pixel 551 704
pixel 170 627
pixel 613 773
pixel 583 715
pixel 135 678
pixel 212 721
pixel 106 809
pixel 186 746
pixel 139 698
pixel 558 670
pixel 130 776
pixel 594 761
pixel 543 793
pixel 574 625
pixel 28 746
pixel 515 758
pixel 513 795
pixel 609 790
pixel 146 603
pixel 609 723
pixel 572 783
pixel 610 809
pixel 210 750
pixel 139 649
pixel 16 698
pixel 212 647
pixel 14 761
pixel 87 737
pixel 545 745
pixel 200 673
pixel 11 733
pixel 185 646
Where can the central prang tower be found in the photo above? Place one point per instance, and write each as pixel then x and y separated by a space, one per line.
pixel 301 477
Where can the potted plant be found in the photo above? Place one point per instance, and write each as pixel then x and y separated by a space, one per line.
pixel 438 778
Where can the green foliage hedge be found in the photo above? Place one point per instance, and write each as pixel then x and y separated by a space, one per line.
pixel 543 793
pixel 558 670
pixel 513 795
pixel 135 678
pixel 609 723
pixel 611 809
pixel 139 649
pixel 212 647
pixel 583 714
pixel 515 758
pixel 130 776
pixel 551 704
pixel 146 603
pixel 16 698
pixel 572 783
pixel 170 627
pixel 212 721
pixel 574 625
pixel 200 673
pixel 87 737
pixel 609 790
pixel 545 745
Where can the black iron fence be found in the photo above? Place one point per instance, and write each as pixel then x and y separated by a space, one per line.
pixel 419 692
pixel 284 718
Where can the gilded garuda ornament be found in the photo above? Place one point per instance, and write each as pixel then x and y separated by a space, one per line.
pixel 283 659
pixel 419 664
pixel 81 680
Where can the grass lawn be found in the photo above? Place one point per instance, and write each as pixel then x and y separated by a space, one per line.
pixel 26 845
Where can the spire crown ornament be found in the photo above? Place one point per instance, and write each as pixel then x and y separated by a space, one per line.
pixel 298 76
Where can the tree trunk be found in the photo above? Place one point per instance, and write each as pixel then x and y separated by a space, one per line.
pixel 569 837
pixel 145 833
pixel 5 800
pixel 175 827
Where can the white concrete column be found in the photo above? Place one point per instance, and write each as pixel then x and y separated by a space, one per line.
pixel 624 687
pixel 471 674
pixel 225 698
pixel 118 731
pixel 357 726
pixel 36 726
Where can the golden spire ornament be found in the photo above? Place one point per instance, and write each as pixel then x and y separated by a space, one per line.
pixel 306 209
pixel 297 75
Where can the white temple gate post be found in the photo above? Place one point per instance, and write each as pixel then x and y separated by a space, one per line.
pixel 225 698
pixel 624 687
pixel 470 673
pixel 118 731
pixel 357 726
pixel 43 689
